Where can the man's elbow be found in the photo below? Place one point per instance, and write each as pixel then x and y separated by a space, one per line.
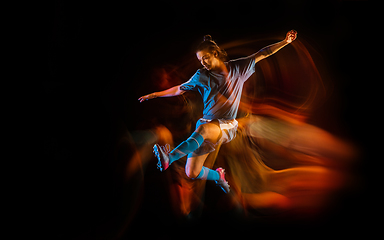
pixel 259 57
pixel 179 91
pixel 263 53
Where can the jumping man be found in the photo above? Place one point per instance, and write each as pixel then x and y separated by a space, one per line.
pixel 220 85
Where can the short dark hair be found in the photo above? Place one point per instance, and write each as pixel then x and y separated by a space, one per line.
pixel 209 45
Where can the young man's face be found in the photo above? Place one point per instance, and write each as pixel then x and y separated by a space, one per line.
pixel 209 60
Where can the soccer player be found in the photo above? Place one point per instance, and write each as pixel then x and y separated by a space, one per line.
pixel 220 84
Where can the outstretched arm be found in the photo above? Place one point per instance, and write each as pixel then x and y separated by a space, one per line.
pixel 273 48
pixel 173 91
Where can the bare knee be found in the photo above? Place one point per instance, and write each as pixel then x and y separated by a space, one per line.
pixel 209 131
pixel 191 172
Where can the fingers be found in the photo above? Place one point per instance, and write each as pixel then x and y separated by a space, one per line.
pixel 142 99
pixel 291 36
pixel 145 98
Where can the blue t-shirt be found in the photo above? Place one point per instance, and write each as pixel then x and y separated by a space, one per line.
pixel 221 95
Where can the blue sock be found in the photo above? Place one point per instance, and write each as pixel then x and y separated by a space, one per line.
pixel 186 147
pixel 208 174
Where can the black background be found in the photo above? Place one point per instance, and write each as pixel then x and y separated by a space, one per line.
pixel 97 59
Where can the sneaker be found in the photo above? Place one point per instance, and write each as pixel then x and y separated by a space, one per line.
pixel 162 154
pixel 222 182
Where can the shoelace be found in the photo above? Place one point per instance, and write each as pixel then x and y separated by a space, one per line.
pixel 166 149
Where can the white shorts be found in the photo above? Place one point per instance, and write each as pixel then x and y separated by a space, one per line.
pixel 228 132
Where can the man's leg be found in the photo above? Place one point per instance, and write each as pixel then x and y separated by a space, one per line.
pixel 186 147
pixel 208 131
pixel 195 170
pixel 194 167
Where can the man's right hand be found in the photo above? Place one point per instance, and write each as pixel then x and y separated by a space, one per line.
pixel 147 97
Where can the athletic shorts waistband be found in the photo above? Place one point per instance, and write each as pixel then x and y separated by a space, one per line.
pixel 216 118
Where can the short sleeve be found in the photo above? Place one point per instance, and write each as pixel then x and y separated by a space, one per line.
pixel 192 84
pixel 243 67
